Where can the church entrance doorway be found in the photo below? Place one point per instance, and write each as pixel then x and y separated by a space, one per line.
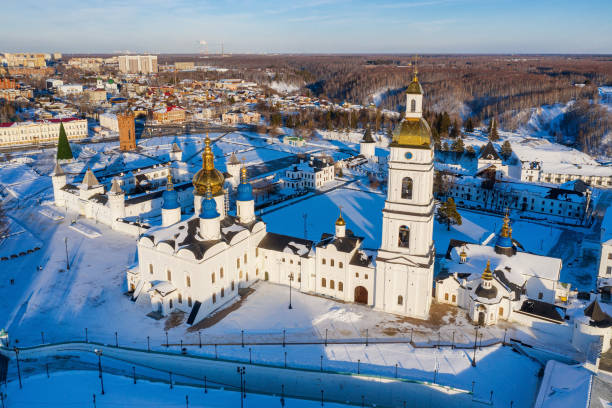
pixel 481 318
pixel 361 295
pixel 266 276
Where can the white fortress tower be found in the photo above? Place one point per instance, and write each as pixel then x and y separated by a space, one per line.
pixel 116 201
pixel 367 146
pixel 405 262
pixel 58 179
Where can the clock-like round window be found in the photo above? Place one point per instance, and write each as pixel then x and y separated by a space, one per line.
pixel 408 155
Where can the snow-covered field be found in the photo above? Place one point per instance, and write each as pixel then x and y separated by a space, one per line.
pixel 363 213
pixel 59 391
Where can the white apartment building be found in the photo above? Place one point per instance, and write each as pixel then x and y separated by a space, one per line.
pixel 138 64
pixel 42 131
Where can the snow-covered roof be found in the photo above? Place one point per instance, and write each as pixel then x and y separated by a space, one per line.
pixel 163 288
pixel 515 268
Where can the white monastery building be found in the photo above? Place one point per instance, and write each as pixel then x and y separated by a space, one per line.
pixel 198 264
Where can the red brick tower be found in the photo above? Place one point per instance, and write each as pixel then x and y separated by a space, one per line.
pixel 127 131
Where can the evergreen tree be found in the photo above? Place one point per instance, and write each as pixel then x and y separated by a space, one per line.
pixel 506 150
pixel 445 147
pixel 447 213
pixel 470 151
pixel 493 135
pixel 469 125
pixel 445 123
pixel 64 152
pixel 436 138
pixel 458 146
pixel 454 133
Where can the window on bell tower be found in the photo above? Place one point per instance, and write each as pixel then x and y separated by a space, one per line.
pixel 413 105
pixel 407 188
pixel 404 237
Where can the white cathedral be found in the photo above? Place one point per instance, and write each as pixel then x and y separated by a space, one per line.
pixel 198 264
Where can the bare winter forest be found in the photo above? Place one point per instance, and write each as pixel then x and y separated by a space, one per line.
pixel 476 86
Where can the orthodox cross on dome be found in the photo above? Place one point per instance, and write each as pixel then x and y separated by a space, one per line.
pixel 340 220
pixel 243 171
pixel 506 230
pixel 208 159
pixel 415 69
pixel 487 274
pixel 169 185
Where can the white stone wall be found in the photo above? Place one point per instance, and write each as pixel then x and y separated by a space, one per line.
pixel 605 261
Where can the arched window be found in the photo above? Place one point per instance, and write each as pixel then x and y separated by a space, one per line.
pixel 407 188
pixel 151 269
pixel 212 277
pixel 189 302
pixel 214 298
pixel 446 296
pixel 266 276
pixel 501 311
pixel 169 276
pixel 180 298
pixel 340 286
pixel 404 237
pixel 323 282
pixel 188 282
pixel 413 105
pixel 332 284
pixel 222 292
pixel 240 274
pixel 400 300
pixel 232 286
pixel 221 273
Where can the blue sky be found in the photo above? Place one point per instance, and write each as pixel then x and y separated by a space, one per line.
pixel 300 26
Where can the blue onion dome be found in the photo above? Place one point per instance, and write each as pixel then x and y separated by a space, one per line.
pixel 209 206
pixel 245 190
pixel 170 196
pixel 504 244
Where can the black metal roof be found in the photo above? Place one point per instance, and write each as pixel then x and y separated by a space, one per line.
pixel 278 242
pixel 489 149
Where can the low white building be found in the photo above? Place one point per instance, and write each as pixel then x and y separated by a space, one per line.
pixel 314 174
pixel 70 89
pixel 491 282
pixel 569 203
pixel 109 121
pixel 129 195
pixel 41 131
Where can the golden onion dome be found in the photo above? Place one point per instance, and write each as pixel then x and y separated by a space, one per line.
pixel 340 221
pixel 412 132
pixel 415 86
pixel 208 176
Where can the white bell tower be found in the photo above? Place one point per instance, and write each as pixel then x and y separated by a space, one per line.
pixel 405 261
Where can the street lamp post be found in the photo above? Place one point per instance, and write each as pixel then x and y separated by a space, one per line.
pixel 67 261
pixel 242 372
pixel 475 340
pixel 18 367
pixel 99 354
pixel 290 280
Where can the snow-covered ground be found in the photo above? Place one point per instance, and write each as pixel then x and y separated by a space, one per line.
pixel 59 391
